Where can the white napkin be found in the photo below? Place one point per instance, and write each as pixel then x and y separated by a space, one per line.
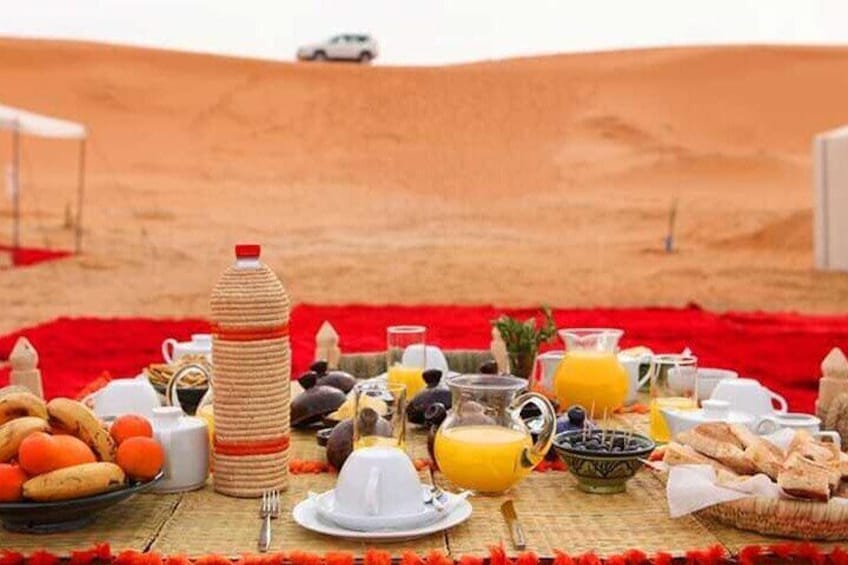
pixel 693 487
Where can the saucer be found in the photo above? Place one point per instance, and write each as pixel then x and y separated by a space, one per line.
pixel 306 515
pixel 325 503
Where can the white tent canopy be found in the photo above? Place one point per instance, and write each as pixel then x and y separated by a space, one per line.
pixel 23 122
pixel 30 123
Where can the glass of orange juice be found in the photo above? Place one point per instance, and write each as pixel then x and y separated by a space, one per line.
pixel 408 372
pixel 673 386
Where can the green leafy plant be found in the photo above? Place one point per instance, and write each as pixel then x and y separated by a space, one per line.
pixel 523 339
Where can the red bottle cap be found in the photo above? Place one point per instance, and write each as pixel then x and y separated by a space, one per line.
pixel 248 251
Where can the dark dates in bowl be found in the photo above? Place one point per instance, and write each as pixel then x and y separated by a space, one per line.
pixel 603 460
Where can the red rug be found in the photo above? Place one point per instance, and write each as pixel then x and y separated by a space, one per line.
pixel 782 350
pixel 26 256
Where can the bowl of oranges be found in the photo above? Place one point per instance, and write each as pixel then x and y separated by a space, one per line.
pixel 60 465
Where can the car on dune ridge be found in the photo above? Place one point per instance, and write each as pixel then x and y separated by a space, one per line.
pixel 343 47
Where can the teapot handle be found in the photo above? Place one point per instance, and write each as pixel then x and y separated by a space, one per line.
pixel 783 406
pixel 647 378
pixel 171 396
pixel 532 455
pixel 168 355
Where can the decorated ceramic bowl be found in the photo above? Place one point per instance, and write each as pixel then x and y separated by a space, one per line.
pixel 603 460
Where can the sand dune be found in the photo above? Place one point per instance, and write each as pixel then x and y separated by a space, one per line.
pixel 509 182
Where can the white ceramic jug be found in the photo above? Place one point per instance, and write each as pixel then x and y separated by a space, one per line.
pixel 185 440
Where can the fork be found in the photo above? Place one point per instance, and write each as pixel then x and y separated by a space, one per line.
pixel 269 508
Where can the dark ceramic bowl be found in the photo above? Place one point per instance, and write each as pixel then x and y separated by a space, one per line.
pixel 190 397
pixel 602 472
pixel 64 515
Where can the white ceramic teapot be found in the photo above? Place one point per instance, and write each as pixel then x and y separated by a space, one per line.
pixel 200 344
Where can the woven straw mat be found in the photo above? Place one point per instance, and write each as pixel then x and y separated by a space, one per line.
pixel 132 524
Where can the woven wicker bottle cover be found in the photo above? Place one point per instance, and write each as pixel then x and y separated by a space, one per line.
pixel 252 370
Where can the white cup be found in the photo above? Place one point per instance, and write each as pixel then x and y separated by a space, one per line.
pixel 708 378
pixel 748 395
pixel 124 396
pixel 378 481
pixel 797 421
pixel 633 364
pixel 200 344
pixel 185 440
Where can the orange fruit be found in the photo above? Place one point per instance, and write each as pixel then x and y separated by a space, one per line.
pixel 141 458
pixel 130 425
pixel 41 453
pixel 12 479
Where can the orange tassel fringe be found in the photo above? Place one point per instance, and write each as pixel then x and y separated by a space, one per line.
pixel 101 554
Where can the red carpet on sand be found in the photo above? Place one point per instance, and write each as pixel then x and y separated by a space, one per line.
pixel 783 351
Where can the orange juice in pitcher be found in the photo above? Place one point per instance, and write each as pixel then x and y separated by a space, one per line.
pixel 590 374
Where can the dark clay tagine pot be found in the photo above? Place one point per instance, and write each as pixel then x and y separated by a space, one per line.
pixel 315 402
pixel 336 379
pixel 417 407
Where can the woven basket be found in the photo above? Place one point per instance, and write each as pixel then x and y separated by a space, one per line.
pixel 797 519
pixel 252 372
pixel 786 518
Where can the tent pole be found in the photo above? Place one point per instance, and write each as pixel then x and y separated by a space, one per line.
pixel 80 194
pixel 16 189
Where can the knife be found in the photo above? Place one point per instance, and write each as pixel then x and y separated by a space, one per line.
pixel 516 532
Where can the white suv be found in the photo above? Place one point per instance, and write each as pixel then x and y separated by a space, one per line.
pixel 344 47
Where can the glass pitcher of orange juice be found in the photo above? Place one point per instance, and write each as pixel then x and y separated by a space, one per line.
pixel 590 374
pixel 483 444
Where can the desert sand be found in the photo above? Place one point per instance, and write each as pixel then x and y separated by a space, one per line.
pixel 509 182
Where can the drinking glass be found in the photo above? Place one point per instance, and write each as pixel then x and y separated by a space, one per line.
pixel 406 357
pixel 379 417
pixel 673 386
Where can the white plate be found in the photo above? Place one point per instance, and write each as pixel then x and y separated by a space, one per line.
pixel 325 503
pixel 306 514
